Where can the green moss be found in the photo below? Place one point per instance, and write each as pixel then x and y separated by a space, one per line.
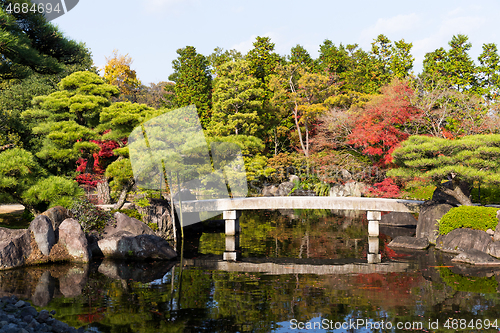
pixel 473 217
pixel 468 283
pixel 130 213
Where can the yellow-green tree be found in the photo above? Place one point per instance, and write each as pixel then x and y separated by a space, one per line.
pixel 303 94
pixel 118 72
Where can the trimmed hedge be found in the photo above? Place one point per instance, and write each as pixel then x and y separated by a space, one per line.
pixel 473 217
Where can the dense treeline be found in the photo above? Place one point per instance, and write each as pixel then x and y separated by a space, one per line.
pixel 347 110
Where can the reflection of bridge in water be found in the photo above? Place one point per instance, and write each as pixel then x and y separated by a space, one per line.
pixel 232 208
pixel 318 267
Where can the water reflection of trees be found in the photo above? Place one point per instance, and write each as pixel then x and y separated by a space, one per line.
pixel 296 234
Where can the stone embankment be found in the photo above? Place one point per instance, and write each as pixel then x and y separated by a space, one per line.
pixel 55 236
pixel 475 247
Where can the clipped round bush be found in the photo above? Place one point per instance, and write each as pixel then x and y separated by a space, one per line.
pixel 473 217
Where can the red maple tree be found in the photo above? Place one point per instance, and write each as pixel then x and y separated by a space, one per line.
pixel 386 122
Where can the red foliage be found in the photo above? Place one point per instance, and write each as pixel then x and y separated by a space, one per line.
pixel 384 189
pixel 106 152
pixel 386 123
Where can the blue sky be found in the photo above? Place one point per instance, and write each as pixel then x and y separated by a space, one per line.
pixel 150 31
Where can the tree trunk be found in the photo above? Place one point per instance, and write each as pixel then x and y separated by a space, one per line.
pixel 103 196
pixel 123 195
pixel 457 192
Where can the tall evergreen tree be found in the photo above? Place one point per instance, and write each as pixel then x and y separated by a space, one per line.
pixel 238 101
pixel 193 82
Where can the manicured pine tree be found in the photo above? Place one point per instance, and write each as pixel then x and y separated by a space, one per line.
pixel 463 161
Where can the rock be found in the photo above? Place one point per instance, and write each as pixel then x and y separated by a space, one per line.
pixel 43 231
pixel 128 224
pixel 159 212
pixel 476 257
pixel 57 215
pixel 346 175
pixel 294 179
pixel 15 247
pixel 269 191
pixel 490 232
pixel 410 243
pixel 303 193
pixel 441 197
pixel 72 237
pixel 496 236
pixel 463 239
pixel 285 188
pixel 493 249
pixel 398 219
pixel 428 225
pixel 125 245
pixel 349 189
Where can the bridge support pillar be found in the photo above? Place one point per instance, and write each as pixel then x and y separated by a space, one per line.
pixel 232 219
pixel 373 256
pixel 373 218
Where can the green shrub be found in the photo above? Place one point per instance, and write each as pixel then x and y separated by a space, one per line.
pixel 92 218
pixel 479 218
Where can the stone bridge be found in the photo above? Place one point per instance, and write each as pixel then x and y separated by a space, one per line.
pixel 232 208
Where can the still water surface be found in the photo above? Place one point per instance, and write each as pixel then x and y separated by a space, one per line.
pixel 302 271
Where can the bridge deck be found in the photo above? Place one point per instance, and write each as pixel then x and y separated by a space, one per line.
pixel 341 203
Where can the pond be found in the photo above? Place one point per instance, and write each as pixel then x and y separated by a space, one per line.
pixel 300 271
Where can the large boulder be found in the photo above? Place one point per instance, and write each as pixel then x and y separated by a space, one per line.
pixel 57 215
pixel 349 189
pixel 285 188
pixel 463 239
pixel 496 235
pixel 398 219
pixel 270 191
pixel 42 230
pixel 476 257
pixel 493 249
pixel 428 225
pixel 72 237
pixel 128 224
pixel 125 245
pixel 15 247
